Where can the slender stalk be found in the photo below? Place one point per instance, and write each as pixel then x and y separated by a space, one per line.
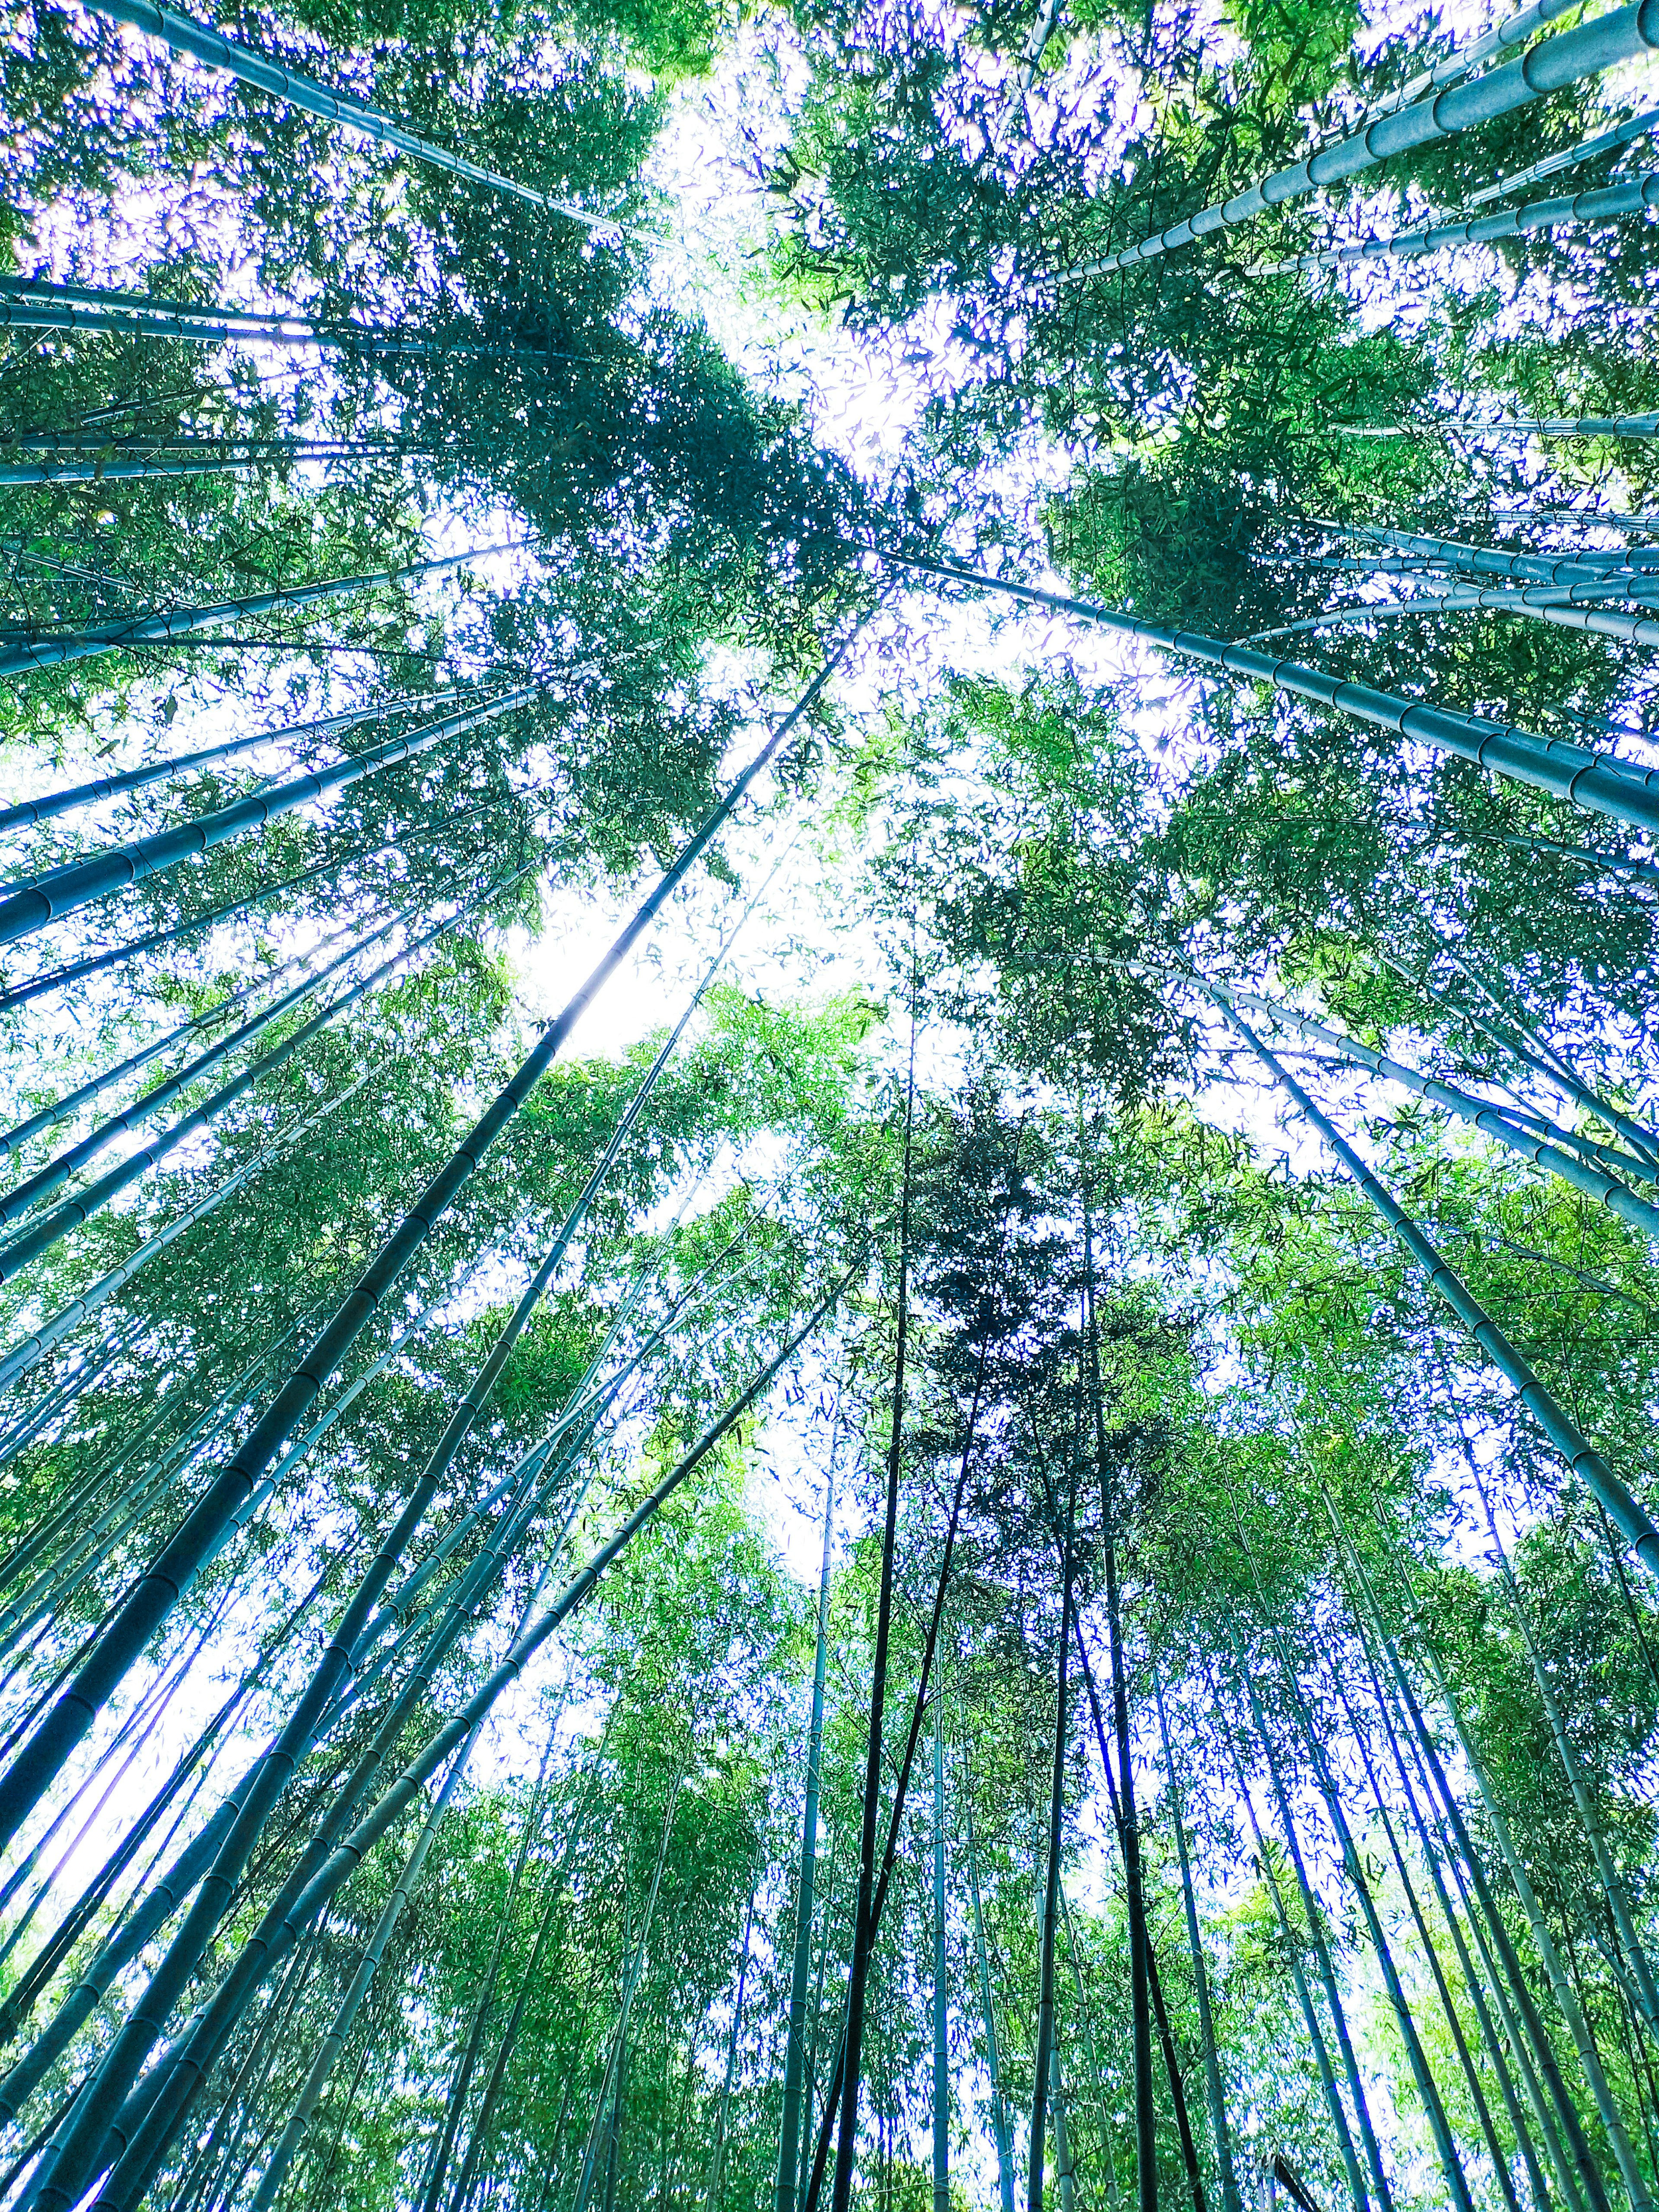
pixel 156 2108
pixel 1594 781
pixel 186 36
pixel 1556 61
pixel 1113 2195
pixel 1426 1941
pixel 461 2081
pixel 1294 1956
pixel 1543 2052
pixel 76 971
pixel 1633 1614
pixel 198 458
pixel 1422 2073
pixel 1560 1983
pixel 918 1713
pixel 1230 2199
pixel 27 1354
pixel 1063 2172
pixel 1160 2014
pixel 71 1101
pixel 1581 1456
pixel 221 2160
pixel 941 2046
pixel 1321 1949
pixel 179 622
pixel 998 2114
pixel 1613 1885
pixel 1129 1826
pixel 1045 2034
pixel 40 1235
pixel 34 303
pixel 30 906
pixel 717 2167
pixel 613 2064
pixel 1514 1034
pixel 323 2065
pixel 27 812
pixel 810 2080
pixel 57 1172
pixel 1557 1155
pixel 863 1911
pixel 478 2147
pixel 1471 1979
pixel 159 1589
pixel 790 2131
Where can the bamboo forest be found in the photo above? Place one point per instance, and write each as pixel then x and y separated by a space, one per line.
pixel 830 1106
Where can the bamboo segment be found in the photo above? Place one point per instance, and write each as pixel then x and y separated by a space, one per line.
pixel 478 2147
pixel 1525 426
pixel 1045 2035
pixel 999 2117
pixel 1471 1979
pixel 618 2041
pixel 1549 66
pixel 53 804
pixel 1114 2197
pixel 186 36
pixel 34 1347
pixel 31 906
pixel 37 303
pixel 1588 149
pixel 23 1197
pixel 790 2130
pixel 1321 1949
pixel 1612 1885
pixel 865 1908
pixel 717 2165
pixel 1294 1953
pixel 1594 781
pixel 1584 2162
pixel 76 971
pixel 1478 1112
pixel 1581 1456
pixel 1230 2199
pixel 941 2048
pixel 213 460
pixel 1531 568
pixel 140 2132
pixel 51 1228
pixel 1426 1941
pixel 1140 1961
pixel 180 621
pixel 1603 204
pixel 374 1951
pixel 347 1647
pixel 150 1603
pixel 1565 1996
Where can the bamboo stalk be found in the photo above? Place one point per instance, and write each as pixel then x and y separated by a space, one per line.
pixel 1584 2162
pixel 30 906
pixel 52 805
pixel 1292 1952
pixel 142 1612
pixel 22 659
pixel 1594 781
pixel 1551 64
pixel 790 2129
pixel 1230 2199
pixel 186 36
pixel 1581 1456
